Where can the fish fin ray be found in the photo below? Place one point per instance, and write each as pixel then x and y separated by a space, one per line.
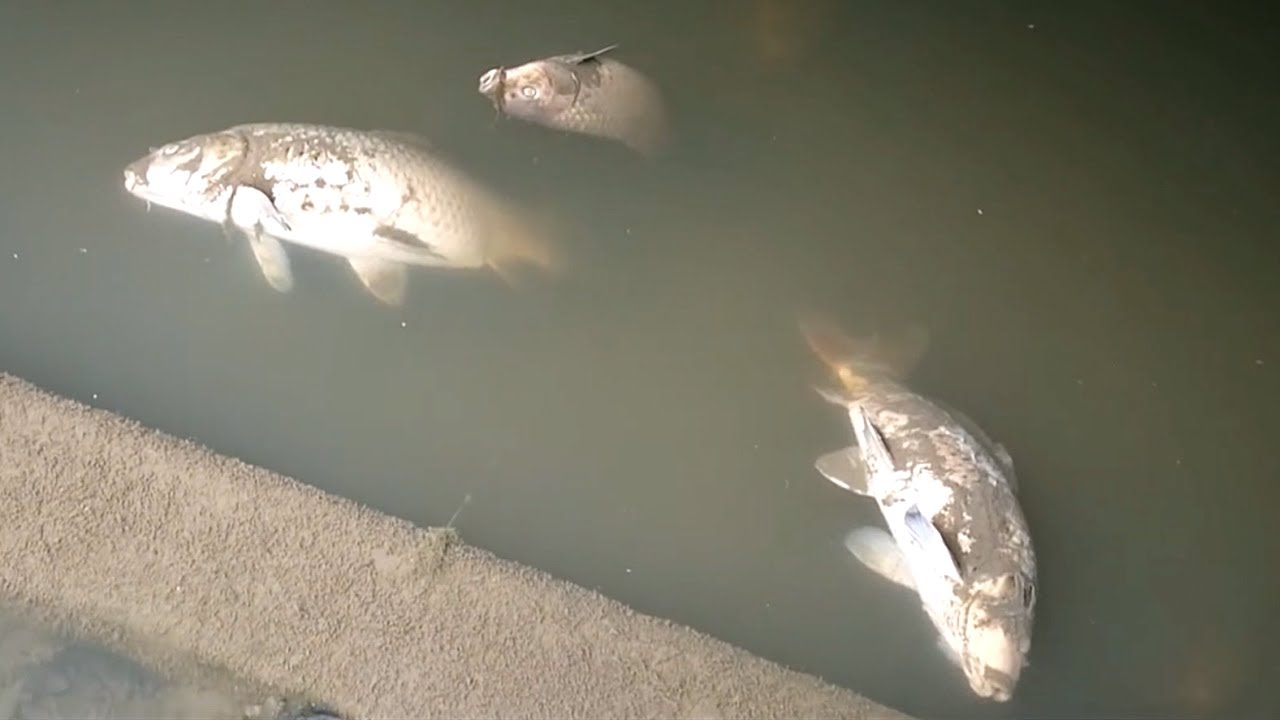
pixel 844 467
pixel 384 279
pixel 579 58
pixel 875 548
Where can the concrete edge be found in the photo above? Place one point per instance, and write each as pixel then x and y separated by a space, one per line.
pixel 173 554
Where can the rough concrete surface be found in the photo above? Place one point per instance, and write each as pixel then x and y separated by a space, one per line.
pixel 164 549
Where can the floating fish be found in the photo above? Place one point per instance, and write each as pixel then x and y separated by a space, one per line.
pixel 947 492
pixel 588 93
pixel 381 199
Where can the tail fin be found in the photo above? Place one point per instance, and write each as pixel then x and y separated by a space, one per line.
pixel 854 360
pixel 528 237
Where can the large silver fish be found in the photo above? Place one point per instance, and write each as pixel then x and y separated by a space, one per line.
pixel 381 199
pixel 589 93
pixel 957 535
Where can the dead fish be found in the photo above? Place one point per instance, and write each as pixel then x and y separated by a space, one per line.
pixel 381 199
pixel 957 535
pixel 588 93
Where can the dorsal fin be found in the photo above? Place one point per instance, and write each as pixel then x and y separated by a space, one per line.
pixel 579 58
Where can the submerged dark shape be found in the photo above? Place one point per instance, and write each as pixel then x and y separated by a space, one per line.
pixel 587 93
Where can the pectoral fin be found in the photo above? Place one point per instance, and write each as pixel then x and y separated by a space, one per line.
pixel 385 280
pixel 876 549
pixel 926 537
pixel 251 210
pixel 272 259
pixel 844 467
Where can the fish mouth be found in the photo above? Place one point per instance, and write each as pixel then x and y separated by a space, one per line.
pixel 135 175
pixel 491 83
pixel 134 182
pixel 996 685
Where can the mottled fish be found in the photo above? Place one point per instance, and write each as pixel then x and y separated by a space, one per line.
pixel 947 492
pixel 381 199
pixel 588 93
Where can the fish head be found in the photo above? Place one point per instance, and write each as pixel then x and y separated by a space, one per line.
pixel 537 90
pixel 996 631
pixel 491 83
pixel 189 175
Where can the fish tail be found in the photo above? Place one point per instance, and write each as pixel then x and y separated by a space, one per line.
pixel 855 361
pixel 651 134
pixel 529 238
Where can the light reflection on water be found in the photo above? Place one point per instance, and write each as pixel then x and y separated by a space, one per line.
pixel 1074 209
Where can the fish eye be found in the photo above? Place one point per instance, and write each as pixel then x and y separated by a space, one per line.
pixel 529 91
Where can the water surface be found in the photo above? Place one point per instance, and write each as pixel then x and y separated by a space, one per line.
pixel 1077 201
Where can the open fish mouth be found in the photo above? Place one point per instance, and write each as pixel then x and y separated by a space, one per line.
pixel 491 83
pixel 132 180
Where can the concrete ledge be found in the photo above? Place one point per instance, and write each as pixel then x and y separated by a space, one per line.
pixel 165 550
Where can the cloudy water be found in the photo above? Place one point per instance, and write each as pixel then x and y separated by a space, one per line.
pixel 1078 203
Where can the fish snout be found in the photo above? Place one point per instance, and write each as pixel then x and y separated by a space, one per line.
pixel 998 685
pixel 135 174
pixel 132 179
pixel 491 82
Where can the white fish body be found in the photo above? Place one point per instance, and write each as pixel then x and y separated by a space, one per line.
pixel 380 199
pixel 956 533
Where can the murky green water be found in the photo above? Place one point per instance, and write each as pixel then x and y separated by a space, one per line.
pixel 1080 205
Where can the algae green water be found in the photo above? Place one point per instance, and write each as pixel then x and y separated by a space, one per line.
pixel 1078 202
